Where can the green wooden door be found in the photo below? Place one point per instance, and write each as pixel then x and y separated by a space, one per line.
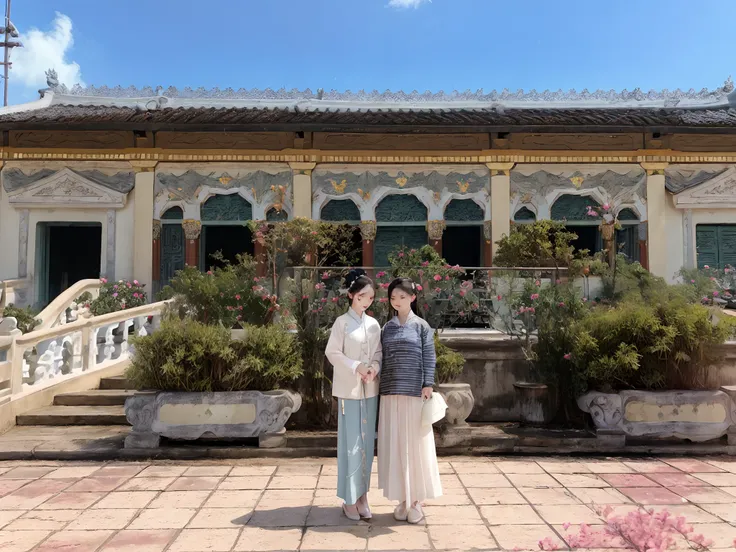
pixel 172 251
pixel 716 245
pixel 389 238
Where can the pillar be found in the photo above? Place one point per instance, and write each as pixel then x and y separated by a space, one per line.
pixel 192 231
pixel 500 202
pixel 435 228
pixel 487 243
pixel 368 233
pixel 302 182
pixel 656 216
pixel 156 257
pixel 143 228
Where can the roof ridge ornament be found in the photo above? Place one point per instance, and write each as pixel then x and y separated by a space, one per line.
pixel 52 82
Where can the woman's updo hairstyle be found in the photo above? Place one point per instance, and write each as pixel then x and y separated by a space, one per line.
pixel 356 280
pixel 406 285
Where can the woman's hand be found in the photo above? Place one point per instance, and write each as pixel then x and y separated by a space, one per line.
pixel 364 371
pixel 426 393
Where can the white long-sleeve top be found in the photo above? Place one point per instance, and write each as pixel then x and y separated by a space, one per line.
pixel 354 339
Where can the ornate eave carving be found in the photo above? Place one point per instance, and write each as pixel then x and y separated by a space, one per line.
pixel 717 193
pixel 66 188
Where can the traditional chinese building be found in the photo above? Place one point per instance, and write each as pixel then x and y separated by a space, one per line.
pixel 131 183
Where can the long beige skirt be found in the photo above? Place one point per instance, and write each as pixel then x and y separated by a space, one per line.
pixel 407 459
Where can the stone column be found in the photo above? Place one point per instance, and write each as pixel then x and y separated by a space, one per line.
pixel 656 212
pixel 302 181
pixel 500 202
pixel 435 228
pixel 368 233
pixel 142 227
pixel 156 258
pixel 192 230
pixel 259 252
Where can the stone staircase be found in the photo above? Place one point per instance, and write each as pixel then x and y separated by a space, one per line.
pixel 99 407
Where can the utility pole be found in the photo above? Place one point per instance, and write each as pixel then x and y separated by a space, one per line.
pixel 9 31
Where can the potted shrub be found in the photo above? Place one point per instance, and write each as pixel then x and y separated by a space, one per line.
pixel 205 384
pixel 458 396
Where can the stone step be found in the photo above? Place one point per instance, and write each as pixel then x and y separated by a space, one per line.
pixel 96 397
pixel 115 382
pixel 73 415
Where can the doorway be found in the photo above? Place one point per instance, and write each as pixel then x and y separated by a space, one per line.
pixel 65 254
pixel 229 240
pixel 461 245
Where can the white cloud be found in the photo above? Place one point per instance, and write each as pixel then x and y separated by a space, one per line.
pixel 407 3
pixel 43 50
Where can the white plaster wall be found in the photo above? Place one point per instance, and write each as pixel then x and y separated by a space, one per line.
pixel 675 241
pixel 125 239
pixel 9 221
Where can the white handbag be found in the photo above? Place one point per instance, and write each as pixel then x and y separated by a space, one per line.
pixel 433 409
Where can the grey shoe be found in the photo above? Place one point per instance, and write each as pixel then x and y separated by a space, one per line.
pixel 415 514
pixel 350 515
pixel 400 512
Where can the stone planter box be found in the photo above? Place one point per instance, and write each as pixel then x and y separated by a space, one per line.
pixel 223 415
pixel 694 415
pixel 536 403
pixel 460 401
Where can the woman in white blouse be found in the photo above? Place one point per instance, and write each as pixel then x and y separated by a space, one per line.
pixel 354 350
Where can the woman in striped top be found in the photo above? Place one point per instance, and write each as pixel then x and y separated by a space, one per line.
pixel 407 459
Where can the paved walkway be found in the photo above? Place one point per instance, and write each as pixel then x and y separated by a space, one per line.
pixel 489 503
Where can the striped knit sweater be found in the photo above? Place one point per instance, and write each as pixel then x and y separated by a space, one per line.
pixel 408 357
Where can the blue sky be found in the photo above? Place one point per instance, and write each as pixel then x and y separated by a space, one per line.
pixel 354 44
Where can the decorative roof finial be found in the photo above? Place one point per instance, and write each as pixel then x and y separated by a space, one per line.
pixel 728 85
pixel 320 93
pixel 52 82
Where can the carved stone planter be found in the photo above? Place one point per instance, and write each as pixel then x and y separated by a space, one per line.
pixel 460 402
pixel 535 402
pixel 223 415
pixel 694 415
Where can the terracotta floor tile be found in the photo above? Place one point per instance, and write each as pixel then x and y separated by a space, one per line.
pixel 571 513
pixel 701 495
pixel 563 466
pixel 452 515
pixel 97 484
pixel 120 470
pixel 78 541
pixel 485 480
pixel 208 471
pixel 163 518
pixel 450 497
pixel 43 520
pixel 19 502
pixel 690 465
pixel 288 470
pixel 205 540
pixel 549 496
pixel 650 495
pixel 232 499
pixel 255 471
pixel 180 499
pixel 20 541
pixel 296 498
pixel 102 519
pixel 126 499
pixel 147 484
pixel 474 467
pixel 506 514
pixel 331 538
pixel 71 501
pixel 44 487
pixel 140 541
pixel 194 484
pixel 258 539
pixel 628 480
pixel 722 534
pixel 677 480
pixel 400 537
pixel 72 472
pixel 595 534
pixel 247 483
pixel 725 465
pixel 450 481
pixel 581 480
pixel 326 516
pixel 496 496
pixel 284 515
pixel 707 513
pixel 220 518
pixel 163 471
pixel 27 473
pixel 293 482
pixel 518 466
pixel 599 496
pixel 7 486
pixel 8 516
pixel 462 537
pixel 650 465
pixel 533 480
pixel 610 466
pixel 523 537
pixel 718 479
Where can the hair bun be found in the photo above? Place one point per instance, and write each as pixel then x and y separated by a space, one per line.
pixel 353 275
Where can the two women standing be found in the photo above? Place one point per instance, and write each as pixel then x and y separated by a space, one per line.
pixel 403 354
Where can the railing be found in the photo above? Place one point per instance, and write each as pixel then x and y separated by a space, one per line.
pixel 37 358
pixel 15 292
pixel 64 309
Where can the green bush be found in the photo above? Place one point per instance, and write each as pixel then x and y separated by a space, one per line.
pixel 544 243
pixel 26 317
pixel 117 296
pixel 450 363
pixel 187 355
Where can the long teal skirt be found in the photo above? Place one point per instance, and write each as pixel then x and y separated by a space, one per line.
pixel 356 438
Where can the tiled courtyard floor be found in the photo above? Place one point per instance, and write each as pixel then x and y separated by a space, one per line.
pixel 489 503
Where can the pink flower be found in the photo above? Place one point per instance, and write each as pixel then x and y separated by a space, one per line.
pixel 334 299
pixel 135 295
pixel 135 282
pixel 537 283
pixel 129 285
pixel 209 273
pixel 462 293
pixel 419 288
pixel 498 297
pixel 239 317
pixel 385 285
pixel 561 304
pixel 413 251
pixel 380 274
pixel 240 307
pixel 103 280
pixel 383 300
pixel 324 299
pixel 715 294
pixel 222 295
pixel 475 306
pixel 115 286
pixel 437 290
pixel 706 267
pixel 606 206
pixel 401 254
pixel 585 299
pixel 692 281
pixel 319 286
pixel 425 306
pixel 566 525
pixel 534 296
pixel 237 297
pixel 115 294
pixel 462 313
pixel 567 356
pixel 425 263
pixel 325 275
pixel 437 277
pixel 447 278
pixel 314 233
pixel 230 308
pixel 305 296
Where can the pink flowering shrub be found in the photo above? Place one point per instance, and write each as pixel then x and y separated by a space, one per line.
pixel 641 530
pixel 117 296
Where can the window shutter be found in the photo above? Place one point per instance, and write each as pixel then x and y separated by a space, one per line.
pixel 726 246
pixel 706 244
